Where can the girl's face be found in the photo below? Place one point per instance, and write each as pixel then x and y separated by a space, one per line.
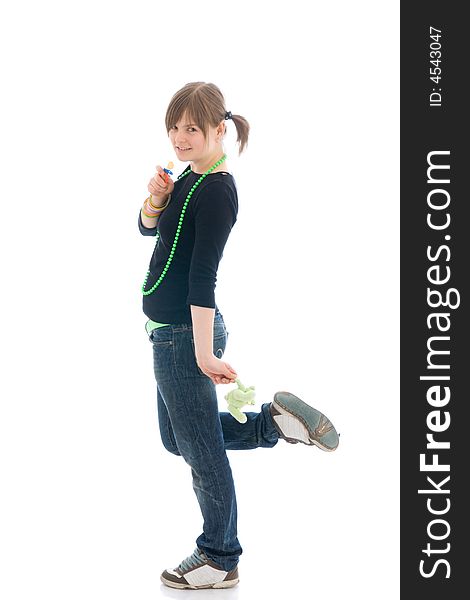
pixel 189 143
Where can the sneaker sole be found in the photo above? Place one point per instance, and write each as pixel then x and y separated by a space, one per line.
pixel 303 411
pixel 186 586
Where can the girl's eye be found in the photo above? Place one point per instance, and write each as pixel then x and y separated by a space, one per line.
pixel 189 128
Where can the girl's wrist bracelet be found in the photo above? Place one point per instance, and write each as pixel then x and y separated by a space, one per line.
pixel 149 216
pixel 149 201
pixel 148 208
pixel 150 212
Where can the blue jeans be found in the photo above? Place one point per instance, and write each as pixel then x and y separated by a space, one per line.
pixel 192 427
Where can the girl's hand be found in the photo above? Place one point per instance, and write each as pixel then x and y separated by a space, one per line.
pixel 218 370
pixel 161 185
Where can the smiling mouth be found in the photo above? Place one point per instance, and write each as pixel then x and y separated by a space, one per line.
pixel 183 149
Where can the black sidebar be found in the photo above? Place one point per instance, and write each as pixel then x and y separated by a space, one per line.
pixel 435 300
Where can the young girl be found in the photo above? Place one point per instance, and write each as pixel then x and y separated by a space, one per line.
pixel 192 218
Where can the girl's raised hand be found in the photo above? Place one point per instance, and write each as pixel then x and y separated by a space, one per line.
pixel 161 184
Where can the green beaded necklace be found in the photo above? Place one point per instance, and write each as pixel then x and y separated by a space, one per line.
pixel 178 229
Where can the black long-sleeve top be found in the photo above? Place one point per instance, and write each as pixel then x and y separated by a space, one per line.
pixel 191 277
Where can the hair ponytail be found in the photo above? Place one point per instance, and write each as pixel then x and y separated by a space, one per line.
pixel 243 129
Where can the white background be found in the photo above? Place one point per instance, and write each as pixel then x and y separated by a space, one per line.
pixel 92 506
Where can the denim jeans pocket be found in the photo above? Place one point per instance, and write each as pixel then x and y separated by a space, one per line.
pixel 163 361
pixel 219 344
pixel 161 336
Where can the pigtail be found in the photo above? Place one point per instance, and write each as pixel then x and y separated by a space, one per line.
pixel 243 129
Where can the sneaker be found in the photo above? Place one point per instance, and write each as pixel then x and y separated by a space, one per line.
pixel 296 422
pixel 198 572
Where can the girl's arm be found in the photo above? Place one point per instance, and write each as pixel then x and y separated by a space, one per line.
pixel 203 331
pixel 147 222
pixel 215 211
pixel 203 324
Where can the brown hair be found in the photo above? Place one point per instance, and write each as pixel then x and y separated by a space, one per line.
pixel 204 104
